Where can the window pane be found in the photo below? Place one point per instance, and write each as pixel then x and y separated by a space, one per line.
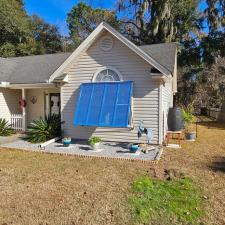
pixel 107 75
pixel 107 78
pixel 114 75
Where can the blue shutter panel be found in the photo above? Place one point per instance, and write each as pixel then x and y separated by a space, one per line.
pixel 106 117
pixel 83 102
pixel 105 104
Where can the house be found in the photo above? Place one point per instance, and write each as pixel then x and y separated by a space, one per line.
pixel 104 88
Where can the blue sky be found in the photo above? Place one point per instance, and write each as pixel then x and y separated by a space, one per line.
pixel 55 11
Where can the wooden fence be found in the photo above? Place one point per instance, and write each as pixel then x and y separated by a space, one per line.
pixel 216 114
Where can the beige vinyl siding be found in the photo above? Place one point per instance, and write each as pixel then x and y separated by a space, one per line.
pixel 131 67
pixel 167 96
pixel 37 110
pixel 9 102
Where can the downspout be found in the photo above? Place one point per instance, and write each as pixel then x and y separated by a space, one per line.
pixel 160 116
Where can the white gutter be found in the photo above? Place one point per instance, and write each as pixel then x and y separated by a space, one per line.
pixel 37 85
pixel 4 84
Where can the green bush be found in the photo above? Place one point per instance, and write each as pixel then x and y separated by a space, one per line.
pixel 44 129
pixel 188 116
pixel 5 128
pixel 93 140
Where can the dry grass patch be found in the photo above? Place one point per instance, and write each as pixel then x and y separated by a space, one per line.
pixel 41 189
pixel 53 189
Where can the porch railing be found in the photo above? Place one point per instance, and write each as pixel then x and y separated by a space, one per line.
pixel 17 121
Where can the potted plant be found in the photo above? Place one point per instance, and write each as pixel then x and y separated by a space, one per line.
pixel 95 142
pixel 188 118
pixel 66 141
pixel 134 147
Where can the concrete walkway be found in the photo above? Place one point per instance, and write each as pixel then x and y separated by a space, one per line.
pixel 10 139
pixel 81 148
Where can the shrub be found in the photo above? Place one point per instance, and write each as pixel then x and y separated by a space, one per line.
pixel 5 128
pixel 44 129
pixel 93 140
pixel 188 116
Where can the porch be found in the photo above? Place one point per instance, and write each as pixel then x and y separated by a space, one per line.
pixel 22 105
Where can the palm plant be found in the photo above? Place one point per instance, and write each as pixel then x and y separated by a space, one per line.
pixel 44 129
pixel 5 128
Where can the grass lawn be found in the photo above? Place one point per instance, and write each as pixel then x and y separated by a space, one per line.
pixel 43 189
pixel 161 201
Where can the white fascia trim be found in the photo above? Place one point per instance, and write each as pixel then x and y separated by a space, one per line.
pixel 19 86
pixel 162 77
pixel 91 38
pixel 65 79
pixel 136 49
pixel 4 84
pixel 85 44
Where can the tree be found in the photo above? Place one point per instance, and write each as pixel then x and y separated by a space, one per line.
pixel 83 19
pixel 153 21
pixel 47 36
pixel 14 26
pixel 213 44
pixel 214 15
pixel 211 91
pixel 190 65
pixel 22 35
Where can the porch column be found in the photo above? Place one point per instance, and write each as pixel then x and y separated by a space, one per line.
pixel 24 123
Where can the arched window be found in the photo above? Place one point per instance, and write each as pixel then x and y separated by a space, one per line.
pixel 107 75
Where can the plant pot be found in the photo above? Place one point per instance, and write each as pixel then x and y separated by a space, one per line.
pixel 66 142
pixel 134 148
pixel 190 136
pixel 95 146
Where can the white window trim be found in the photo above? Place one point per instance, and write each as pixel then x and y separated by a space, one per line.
pixel 107 68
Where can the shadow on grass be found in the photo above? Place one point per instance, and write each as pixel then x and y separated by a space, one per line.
pixel 218 165
pixel 213 125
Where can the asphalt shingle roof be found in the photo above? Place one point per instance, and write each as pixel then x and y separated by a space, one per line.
pixel 30 69
pixel 39 68
pixel 163 53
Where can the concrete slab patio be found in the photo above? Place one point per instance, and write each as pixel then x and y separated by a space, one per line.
pixel 81 148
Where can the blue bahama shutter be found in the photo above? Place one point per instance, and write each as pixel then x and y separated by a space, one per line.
pixel 104 104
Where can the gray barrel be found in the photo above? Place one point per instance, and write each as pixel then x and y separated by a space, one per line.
pixel 175 121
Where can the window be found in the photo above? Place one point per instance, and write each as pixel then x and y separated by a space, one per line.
pixel 107 75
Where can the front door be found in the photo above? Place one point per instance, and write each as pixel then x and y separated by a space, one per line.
pixel 54 103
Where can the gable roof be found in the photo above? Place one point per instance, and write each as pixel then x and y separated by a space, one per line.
pixel 164 53
pixel 30 69
pixel 46 68
pixel 92 37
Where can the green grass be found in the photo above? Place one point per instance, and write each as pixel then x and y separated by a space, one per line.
pixel 166 202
